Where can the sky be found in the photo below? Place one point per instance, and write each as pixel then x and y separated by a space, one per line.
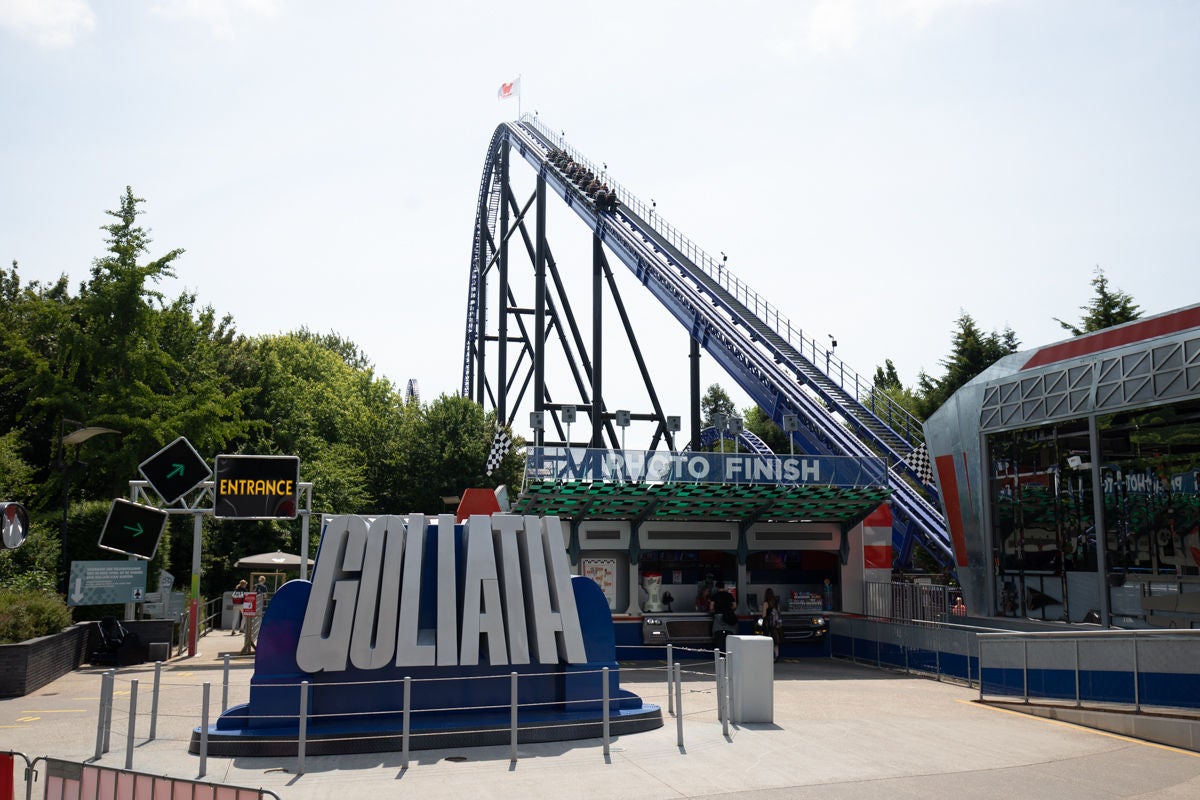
pixel 873 169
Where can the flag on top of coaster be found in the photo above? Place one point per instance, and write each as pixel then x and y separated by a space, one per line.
pixel 500 446
pixel 508 90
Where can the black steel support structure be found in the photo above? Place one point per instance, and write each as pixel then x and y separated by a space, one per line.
pixel 597 342
pixel 694 357
pixel 539 314
pixel 502 355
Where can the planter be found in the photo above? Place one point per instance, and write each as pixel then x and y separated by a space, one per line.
pixel 27 666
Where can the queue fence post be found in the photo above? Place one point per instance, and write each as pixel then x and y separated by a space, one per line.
pixel 678 706
pixel 204 729
pixel 131 731
pixel 604 699
pixel 108 708
pixel 670 688
pixel 105 688
pixel 512 735
pixel 154 699
pixel 407 725
pixel 723 707
pixel 225 685
pixel 301 739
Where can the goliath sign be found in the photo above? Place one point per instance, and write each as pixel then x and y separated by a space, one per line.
pixel 387 593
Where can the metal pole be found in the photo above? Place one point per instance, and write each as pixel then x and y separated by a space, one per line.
pixel 303 733
pixel 1025 669
pixel 1137 694
pixel 194 602
pixel 105 688
pixel 670 664
pixel 304 516
pixel 604 714
pixel 678 707
pixel 979 647
pixel 130 732
pixel 204 729
pixel 154 699
pixel 225 682
pixel 407 726
pixel 108 708
pixel 722 709
pixel 512 725
pixel 1078 702
pixel 1098 515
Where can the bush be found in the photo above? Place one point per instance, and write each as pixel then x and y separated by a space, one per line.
pixel 31 614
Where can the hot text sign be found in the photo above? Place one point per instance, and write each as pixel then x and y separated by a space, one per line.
pixel 256 487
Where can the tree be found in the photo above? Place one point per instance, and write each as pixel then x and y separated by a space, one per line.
pixel 762 426
pixel 715 401
pixel 887 387
pixel 972 352
pixel 1107 308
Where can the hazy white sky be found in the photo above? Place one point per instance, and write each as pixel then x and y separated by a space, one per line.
pixel 873 168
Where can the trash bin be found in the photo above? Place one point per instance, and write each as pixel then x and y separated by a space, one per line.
pixel 752 678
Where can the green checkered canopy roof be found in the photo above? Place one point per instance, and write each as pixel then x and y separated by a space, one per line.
pixel 846 505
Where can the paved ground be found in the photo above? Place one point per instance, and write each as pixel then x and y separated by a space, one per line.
pixel 839 731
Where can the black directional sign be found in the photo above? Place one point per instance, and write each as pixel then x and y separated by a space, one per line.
pixel 133 529
pixel 175 470
pixel 257 487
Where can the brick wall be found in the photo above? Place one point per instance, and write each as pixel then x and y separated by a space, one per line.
pixel 26 667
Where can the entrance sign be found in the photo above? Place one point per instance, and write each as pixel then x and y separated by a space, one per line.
pixel 249 604
pixel 175 470
pixel 14 525
pixel 133 529
pixel 97 583
pixel 257 487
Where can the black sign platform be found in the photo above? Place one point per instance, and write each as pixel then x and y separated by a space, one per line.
pixel 175 470
pixel 133 529
pixel 257 487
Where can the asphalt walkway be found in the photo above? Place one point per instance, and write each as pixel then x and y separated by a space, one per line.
pixel 840 730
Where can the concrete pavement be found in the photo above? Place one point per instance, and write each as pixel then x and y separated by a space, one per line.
pixel 840 730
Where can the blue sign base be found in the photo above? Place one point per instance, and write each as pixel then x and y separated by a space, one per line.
pixel 362 711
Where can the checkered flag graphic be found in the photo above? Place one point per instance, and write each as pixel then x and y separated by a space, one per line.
pixel 500 446
pixel 918 460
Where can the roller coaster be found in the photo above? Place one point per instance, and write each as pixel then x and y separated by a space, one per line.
pixel 823 405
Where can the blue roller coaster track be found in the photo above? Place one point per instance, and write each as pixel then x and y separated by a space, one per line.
pixel 769 357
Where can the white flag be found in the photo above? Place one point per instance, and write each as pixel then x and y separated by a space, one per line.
pixel 508 90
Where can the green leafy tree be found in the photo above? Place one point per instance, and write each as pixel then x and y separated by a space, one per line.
pixel 762 426
pixel 1107 308
pixel 716 401
pixel 972 352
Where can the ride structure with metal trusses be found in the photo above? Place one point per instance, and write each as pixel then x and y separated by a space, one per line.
pixel 825 406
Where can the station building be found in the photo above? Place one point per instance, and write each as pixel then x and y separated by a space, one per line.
pixel 1069 478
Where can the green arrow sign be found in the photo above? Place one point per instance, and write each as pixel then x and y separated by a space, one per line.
pixel 137 529
pixel 176 471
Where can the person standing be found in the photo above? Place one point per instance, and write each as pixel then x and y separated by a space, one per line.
pixel 827 592
pixel 772 620
pixel 239 593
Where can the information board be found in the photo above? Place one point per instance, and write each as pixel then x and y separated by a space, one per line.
pixel 99 583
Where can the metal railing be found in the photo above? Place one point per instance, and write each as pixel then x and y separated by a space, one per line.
pixel 703 672
pixel 940 650
pixel 905 602
pixel 1158 668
